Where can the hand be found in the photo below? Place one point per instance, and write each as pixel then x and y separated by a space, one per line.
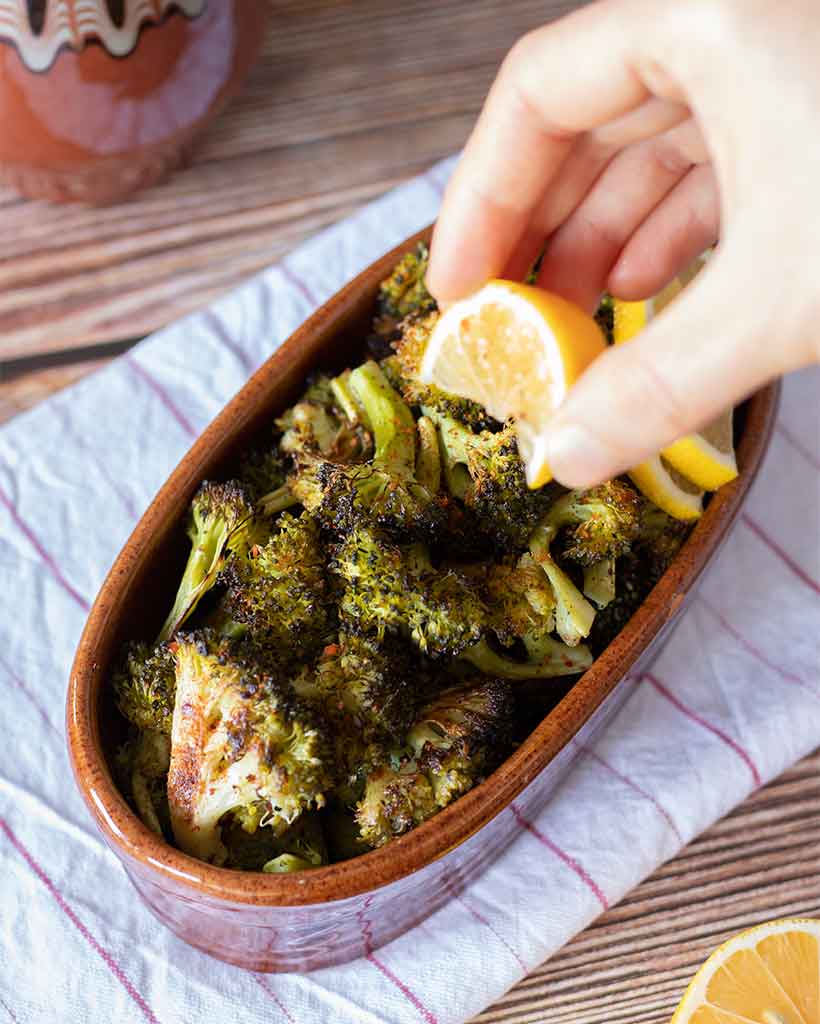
pixel 629 136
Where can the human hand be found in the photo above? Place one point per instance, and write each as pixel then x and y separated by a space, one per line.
pixel 629 136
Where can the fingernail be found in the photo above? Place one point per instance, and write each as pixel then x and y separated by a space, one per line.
pixel 576 457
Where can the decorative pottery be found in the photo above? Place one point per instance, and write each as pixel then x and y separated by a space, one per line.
pixel 333 914
pixel 102 97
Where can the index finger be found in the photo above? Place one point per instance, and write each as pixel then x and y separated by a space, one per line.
pixel 556 83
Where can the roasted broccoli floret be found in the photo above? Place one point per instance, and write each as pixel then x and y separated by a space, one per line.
pixel 367 694
pixel 456 740
pixel 519 599
pixel 301 845
pixel 601 522
pixel 404 291
pixel 574 615
pixel 221 523
pixel 383 492
pixel 143 765
pixel 387 589
pixel 637 572
pixel 659 539
pixel 144 686
pixel 278 591
pixel 310 428
pixel 402 369
pixel 261 472
pixel 241 742
pixel 485 471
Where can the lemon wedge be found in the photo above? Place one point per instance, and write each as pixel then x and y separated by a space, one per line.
pixel 707 458
pixel 517 350
pixel 670 491
pixel 767 975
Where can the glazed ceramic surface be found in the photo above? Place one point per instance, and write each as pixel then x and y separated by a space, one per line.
pixel 101 97
pixel 336 913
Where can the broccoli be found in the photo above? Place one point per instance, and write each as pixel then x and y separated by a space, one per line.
pixel 143 765
pixel 456 740
pixel 383 492
pixel 521 613
pixel 221 523
pixel 546 658
pixel 301 845
pixel 402 369
pixel 659 539
pixel 601 522
pixel 278 591
pixel 637 572
pixel 261 472
pixel 241 742
pixel 364 690
pixel 311 428
pixel 574 615
pixel 597 524
pixel 485 471
pixel 144 686
pixel 404 291
pixel 367 597
pixel 387 589
pixel 599 582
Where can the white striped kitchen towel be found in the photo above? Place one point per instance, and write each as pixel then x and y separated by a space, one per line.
pixel 733 700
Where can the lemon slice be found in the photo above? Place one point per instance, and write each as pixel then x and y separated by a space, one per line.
pixel 670 491
pixel 517 350
pixel 767 975
pixel 706 458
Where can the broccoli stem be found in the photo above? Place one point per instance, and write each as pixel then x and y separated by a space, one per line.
pixel 347 401
pixel 599 582
pixel 574 615
pixel 277 501
pixel 552 659
pixel 200 572
pixel 428 461
pixel 394 428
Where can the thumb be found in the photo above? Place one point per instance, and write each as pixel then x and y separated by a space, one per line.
pixel 707 351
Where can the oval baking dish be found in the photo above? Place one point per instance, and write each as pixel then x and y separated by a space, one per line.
pixel 333 914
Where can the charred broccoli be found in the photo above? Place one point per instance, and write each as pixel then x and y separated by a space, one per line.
pixel 387 589
pixel 404 291
pixel 143 765
pixel 383 492
pixel 278 591
pixel 243 743
pixel 221 522
pixel 456 739
pixel 144 686
pixel 374 609
pixel 485 471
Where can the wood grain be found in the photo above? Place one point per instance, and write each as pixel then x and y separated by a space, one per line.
pixel 633 964
pixel 348 100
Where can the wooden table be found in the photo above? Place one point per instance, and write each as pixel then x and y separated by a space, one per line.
pixel 348 100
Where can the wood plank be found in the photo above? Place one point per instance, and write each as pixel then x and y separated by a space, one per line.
pixel 346 102
pixel 634 962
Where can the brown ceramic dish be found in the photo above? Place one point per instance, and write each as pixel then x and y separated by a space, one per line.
pixel 336 913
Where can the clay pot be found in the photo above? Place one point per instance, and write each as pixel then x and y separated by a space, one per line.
pixel 99 98
pixel 332 914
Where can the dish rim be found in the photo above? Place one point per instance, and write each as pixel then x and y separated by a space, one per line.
pixel 132 840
